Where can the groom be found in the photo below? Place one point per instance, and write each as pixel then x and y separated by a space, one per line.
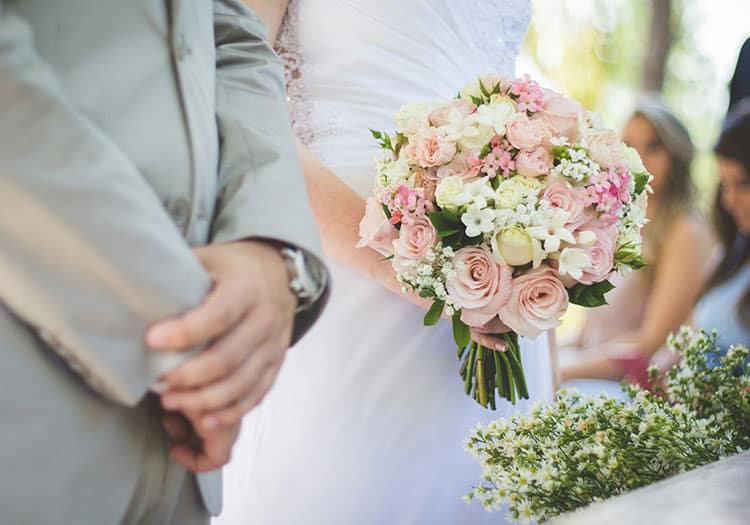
pixel 155 238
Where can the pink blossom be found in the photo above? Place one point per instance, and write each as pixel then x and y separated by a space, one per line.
pixel 404 204
pixel 608 191
pixel 498 160
pixel 602 255
pixel 537 302
pixel 533 163
pixel 481 287
pixel 375 231
pixel 524 133
pixel 562 195
pixel 530 96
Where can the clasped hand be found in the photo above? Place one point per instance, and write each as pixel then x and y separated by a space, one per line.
pixel 246 325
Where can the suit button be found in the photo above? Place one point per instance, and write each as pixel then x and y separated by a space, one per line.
pixel 179 210
pixel 181 48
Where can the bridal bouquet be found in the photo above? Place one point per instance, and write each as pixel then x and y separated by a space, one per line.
pixel 581 449
pixel 505 204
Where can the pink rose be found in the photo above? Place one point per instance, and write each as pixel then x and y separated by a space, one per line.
pixel 461 166
pixel 375 231
pixel 427 180
pixel 441 116
pixel 490 81
pixel 481 287
pixel 562 195
pixel 561 113
pixel 605 149
pixel 432 149
pixel 533 163
pixel 537 302
pixel 602 255
pixel 414 241
pixel 524 133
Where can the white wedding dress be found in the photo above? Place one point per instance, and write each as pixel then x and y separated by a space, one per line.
pixel 367 421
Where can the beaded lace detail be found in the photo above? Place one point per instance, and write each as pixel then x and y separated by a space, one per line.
pixel 500 30
pixel 288 48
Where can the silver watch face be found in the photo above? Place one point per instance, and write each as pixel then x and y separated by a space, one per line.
pixel 305 276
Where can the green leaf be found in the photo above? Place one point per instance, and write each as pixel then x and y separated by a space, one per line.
pixel 387 212
pixel 637 263
pixel 485 151
pixel 477 100
pixel 377 134
pixel 590 296
pixel 426 293
pixel 483 89
pixel 461 331
pixel 446 223
pixel 390 257
pixel 432 316
pixel 641 181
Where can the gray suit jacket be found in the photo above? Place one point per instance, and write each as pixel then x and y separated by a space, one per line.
pixel 129 132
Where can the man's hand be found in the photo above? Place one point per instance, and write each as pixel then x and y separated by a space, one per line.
pixel 198 453
pixel 247 322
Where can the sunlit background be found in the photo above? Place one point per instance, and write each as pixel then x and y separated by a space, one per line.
pixel 606 53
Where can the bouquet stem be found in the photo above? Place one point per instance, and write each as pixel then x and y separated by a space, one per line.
pixel 489 374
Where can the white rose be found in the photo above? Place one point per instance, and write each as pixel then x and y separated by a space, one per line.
pixel 411 118
pixel 513 246
pixel 396 172
pixel 508 196
pixel 470 90
pixel 530 184
pixel 450 193
pixel 633 159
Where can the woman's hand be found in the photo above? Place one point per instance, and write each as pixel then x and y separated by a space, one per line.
pixel 488 337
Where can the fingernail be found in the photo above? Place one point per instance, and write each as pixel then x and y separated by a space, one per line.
pixel 158 337
pixel 160 386
pixel 500 347
pixel 169 402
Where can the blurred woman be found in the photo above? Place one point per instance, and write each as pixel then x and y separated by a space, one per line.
pixel 725 305
pixel 618 340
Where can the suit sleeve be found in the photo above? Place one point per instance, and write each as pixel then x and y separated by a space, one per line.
pixel 88 256
pixel 263 188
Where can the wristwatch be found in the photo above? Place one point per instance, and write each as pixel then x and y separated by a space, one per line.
pixel 307 277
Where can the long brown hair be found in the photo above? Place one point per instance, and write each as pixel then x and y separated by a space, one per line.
pixel 679 197
pixel 734 143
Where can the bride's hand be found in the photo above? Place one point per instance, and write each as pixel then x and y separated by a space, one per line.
pixel 487 335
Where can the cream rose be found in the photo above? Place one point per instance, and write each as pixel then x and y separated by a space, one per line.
pixel 533 163
pixel 481 286
pixel 374 229
pixel 604 148
pixel 537 302
pixel 450 193
pixel 414 241
pixel 633 159
pixel 513 246
pixel 412 118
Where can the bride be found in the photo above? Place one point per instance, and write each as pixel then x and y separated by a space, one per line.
pixel 367 419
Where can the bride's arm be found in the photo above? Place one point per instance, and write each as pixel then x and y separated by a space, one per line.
pixel 338 209
pixel 271 12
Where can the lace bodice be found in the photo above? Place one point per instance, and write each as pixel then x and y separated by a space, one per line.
pixel 350 64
